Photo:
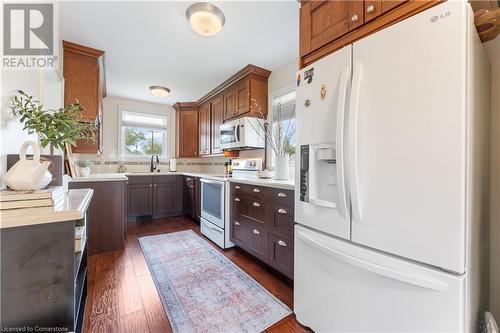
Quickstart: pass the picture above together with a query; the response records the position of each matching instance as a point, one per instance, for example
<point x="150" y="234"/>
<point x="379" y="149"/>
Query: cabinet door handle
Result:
<point x="354" y="18"/>
<point x="236" y="223"/>
<point x="255" y="231"/>
<point x="282" y="195"/>
<point x="237" y="187"/>
<point x="154" y="185"/>
<point x="256" y="190"/>
<point x="281" y="211"/>
<point x="370" y="8"/>
<point x="150" y="185"/>
<point x="281" y="243"/>
<point x="236" y="199"/>
<point x="256" y="204"/>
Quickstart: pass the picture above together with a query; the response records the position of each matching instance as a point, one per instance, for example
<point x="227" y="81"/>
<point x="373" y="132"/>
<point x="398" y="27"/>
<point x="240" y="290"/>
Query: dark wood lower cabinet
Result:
<point x="262" y="221"/>
<point x="107" y="215"/>
<point x="167" y="196"/>
<point x="139" y="198"/>
<point x="189" y="197"/>
<point x="154" y="196"/>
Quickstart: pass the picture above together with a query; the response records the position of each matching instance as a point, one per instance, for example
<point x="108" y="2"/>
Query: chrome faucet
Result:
<point x="152" y="166"/>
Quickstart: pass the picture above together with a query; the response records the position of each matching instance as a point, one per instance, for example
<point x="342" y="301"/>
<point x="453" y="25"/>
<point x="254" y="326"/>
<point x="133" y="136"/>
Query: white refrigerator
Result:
<point x="392" y="180"/>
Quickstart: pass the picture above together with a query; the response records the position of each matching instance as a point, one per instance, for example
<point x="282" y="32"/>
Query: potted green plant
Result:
<point x="84" y="167"/>
<point x="55" y="128"/>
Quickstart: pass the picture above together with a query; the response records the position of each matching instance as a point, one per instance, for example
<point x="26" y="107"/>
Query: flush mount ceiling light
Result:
<point x="205" y="18"/>
<point x="159" y="91"/>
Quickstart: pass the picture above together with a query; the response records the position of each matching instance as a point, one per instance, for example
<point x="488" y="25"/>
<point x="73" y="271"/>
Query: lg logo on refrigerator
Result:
<point x="435" y="18"/>
<point x="28" y="29"/>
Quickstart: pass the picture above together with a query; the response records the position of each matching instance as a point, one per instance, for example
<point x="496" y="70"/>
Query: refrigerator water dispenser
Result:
<point x="318" y="175"/>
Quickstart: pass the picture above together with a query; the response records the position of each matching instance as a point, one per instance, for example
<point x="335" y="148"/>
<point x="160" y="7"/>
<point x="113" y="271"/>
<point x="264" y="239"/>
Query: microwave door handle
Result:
<point x="237" y="134"/>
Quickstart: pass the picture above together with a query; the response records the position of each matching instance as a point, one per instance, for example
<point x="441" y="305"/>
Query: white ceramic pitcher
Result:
<point x="28" y="174"/>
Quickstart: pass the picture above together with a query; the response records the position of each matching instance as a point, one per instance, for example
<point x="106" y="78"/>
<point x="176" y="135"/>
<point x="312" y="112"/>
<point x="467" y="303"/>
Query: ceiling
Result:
<point x="151" y="43"/>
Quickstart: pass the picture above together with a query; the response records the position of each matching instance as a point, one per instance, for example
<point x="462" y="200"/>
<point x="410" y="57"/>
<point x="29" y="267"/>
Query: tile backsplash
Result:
<point x="210" y="165"/>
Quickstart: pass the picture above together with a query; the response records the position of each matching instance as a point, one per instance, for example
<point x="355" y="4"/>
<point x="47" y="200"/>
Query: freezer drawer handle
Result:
<point x="388" y="272"/>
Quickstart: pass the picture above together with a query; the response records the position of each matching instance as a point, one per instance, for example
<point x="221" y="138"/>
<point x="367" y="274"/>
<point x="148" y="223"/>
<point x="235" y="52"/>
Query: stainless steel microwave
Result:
<point x="242" y="133"/>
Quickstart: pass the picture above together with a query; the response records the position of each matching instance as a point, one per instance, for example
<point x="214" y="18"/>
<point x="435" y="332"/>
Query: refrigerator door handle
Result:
<point x="353" y="141"/>
<point x="407" y="277"/>
<point x="341" y="106"/>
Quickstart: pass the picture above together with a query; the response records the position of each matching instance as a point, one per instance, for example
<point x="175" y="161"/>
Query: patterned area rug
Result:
<point x="203" y="291"/>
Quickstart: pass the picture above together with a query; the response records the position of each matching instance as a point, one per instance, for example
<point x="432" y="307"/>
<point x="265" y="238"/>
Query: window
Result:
<point x="283" y="122"/>
<point x="142" y="134"/>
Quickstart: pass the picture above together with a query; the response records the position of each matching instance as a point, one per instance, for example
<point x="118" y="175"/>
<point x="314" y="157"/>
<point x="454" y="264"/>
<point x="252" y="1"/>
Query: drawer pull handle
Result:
<point x="237" y="187"/>
<point x="281" y="243"/>
<point x="256" y="190"/>
<point x="354" y="18"/>
<point x="281" y="211"/>
<point x="256" y="204"/>
<point x="236" y="223"/>
<point x="370" y="8"/>
<point x="255" y="231"/>
<point x="236" y="199"/>
<point x="282" y="195"/>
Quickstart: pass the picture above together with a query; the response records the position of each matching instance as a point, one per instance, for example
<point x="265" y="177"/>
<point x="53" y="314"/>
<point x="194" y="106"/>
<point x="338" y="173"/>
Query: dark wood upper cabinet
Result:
<point x="323" y="21"/>
<point x="84" y="81"/>
<point x="228" y="103"/>
<point x="204" y="129"/>
<point x="326" y="26"/>
<point x="217" y="120"/>
<point x="242" y="95"/>
<point x="186" y="140"/>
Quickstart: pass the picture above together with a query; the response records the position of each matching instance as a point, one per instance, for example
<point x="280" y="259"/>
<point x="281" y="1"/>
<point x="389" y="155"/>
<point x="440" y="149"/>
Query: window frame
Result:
<point x="270" y="158"/>
<point x="122" y="156"/>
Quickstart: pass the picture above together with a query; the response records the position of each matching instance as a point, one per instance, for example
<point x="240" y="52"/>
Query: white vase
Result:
<point x="281" y="170"/>
<point x="84" y="172"/>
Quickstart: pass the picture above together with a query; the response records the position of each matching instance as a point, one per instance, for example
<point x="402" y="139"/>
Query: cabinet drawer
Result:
<point x="281" y="254"/>
<point x="283" y="197"/>
<point x="250" y="191"/>
<point x="166" y="179"/>
<point x="251" y="236"/>
<point x="140" y="179"/>
<point x="253" y="209"/>
<point x="282" y="220"/>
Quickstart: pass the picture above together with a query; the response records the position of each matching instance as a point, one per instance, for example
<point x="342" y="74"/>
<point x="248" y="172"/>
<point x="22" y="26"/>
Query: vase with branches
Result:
<point x="278" y="137"/>
<point x="55" y="128"/>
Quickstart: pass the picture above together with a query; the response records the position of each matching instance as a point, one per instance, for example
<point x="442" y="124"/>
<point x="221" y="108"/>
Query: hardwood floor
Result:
<point x="122" y="296"/>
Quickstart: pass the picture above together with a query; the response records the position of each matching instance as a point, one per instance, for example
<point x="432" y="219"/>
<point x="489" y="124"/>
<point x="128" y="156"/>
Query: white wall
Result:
<point x="111" y="106"/>
<point x="283" y="76"/>
<point x="493" y="50"/>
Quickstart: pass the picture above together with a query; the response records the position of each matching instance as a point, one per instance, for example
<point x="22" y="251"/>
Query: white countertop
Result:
<point x="284" y="184"/>
<point x="101" y="177"/>
<point x="73" y="207"/>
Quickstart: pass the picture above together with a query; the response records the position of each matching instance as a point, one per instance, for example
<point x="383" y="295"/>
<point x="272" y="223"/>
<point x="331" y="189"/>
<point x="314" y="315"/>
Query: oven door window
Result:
<point x="212" y="202"/>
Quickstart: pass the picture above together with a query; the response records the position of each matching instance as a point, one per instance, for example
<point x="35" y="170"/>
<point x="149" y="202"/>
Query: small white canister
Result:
<point x="173" y="165"/>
